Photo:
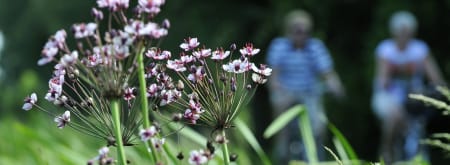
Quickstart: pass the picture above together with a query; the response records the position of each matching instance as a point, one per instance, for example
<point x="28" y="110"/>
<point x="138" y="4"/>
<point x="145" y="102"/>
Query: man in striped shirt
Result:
<point x="300" y="63"/>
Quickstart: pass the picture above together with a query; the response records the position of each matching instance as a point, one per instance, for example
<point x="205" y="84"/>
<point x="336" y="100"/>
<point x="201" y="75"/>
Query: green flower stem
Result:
<point x="115" y="110"/>
<point x="142" y="89"/>
<point x="144" y="101"/>
<point x="226" y="154"/>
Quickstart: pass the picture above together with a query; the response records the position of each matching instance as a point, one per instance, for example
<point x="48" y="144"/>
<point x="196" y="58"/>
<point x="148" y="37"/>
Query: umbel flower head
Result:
<point x="218" y="83"/>
<point x="99" y="75"/>
<point x="101" y="67"/>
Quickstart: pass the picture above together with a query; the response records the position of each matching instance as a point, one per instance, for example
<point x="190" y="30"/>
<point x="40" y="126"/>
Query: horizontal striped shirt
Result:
<point x="299" y="69"/>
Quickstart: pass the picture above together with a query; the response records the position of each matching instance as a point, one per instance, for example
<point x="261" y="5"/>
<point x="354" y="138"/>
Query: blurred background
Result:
<point x="351" y="29"/>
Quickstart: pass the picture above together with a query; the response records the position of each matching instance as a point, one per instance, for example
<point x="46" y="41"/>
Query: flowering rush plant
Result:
<point x="115" y="74"/>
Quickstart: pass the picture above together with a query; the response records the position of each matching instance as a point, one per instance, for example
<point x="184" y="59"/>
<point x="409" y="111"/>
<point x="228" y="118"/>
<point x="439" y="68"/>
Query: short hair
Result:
<point x="298" y="17"/>
<point x="402" y="19"/>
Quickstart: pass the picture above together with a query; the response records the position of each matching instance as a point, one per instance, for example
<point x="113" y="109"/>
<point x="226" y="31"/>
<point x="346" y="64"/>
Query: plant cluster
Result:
<point x="116" y="74"/>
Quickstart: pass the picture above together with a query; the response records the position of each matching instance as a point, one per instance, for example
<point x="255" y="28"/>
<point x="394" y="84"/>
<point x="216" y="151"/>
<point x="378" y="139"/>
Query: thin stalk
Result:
<point x="142" y="89"/>
<point x="144" y="101"/>
<point x="117" y="131"/>
<point x="226" y="154"/>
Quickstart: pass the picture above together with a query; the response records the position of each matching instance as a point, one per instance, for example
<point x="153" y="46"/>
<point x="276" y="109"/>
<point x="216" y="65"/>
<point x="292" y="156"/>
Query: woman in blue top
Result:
<point x="300" y="63"/>
<point x="403" y="63"/>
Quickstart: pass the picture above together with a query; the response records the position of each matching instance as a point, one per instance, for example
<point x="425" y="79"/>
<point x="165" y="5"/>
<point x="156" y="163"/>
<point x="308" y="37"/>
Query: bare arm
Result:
<point x="432" y="72"/>
<point x="382" y="72"/>
<point x="273" y="80"/>
<point x="333" y="82"/>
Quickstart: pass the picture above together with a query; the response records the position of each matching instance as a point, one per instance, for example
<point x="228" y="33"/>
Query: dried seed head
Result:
<point x="180" y="156"/>
<point x="233" y="157"/>
<point x="221" y="139"/>
<point x="180" y="85"/>
<point x="166" y="24"/>
<point x="176" y="117"/>
<point x="210" y="147"/>
<point x="111" y="141"/>
<point x="223" y="78"/>
<point x="233" y="46"/>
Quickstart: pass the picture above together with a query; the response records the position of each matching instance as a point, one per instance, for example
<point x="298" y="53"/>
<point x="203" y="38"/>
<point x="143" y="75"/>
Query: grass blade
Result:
<point x="281" y="121"/>
<point x="248" y="135"/>
<point x="334" y="156"/>
<point x="339" y="136"/>
<point x="308" y="137"/>
<point x="340" y="149"/>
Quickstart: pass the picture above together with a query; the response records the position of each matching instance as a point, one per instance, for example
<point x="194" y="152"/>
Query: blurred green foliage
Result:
<point x="350" y="28"/>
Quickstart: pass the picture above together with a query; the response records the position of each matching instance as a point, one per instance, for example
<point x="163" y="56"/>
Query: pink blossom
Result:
<point x="123" y="39"/>
<point x="157" y="54"/>
<point x="59" y="70"/>
<point x="69" y="59"/>
<point x="151" y="6"/>
<point x="176" y="65"/>
<point x="138" y="28"/>
<point x="237" y="66"/>
<point x="103" y="152"/>
<point x="48" y="52"/>
<point x="129" y="94"/>
<point x="260" y="79"/>
<point x="168" y="96"/>
<point x="262" y="70"/>
<point x="191" y="116"/>
<point x="152" y="90"/>
<point x="198" y="157"/>
<point x="52" y="95"/>
<point x="195" y="106"/>
<point x="97" y="14"/>
<point x="148" y="133"/>
<point x="219" y="54"/>
<point x="203" y="53"/>
<point x="29" y="102"/>
<point x="151" y="70"/>
<point x="62" y="120"/>
<point x="113" y="5"/>
<point x="158" y="143"/>
<point x="55" y="85"/>
<point x="197" y="74"/>
<point x="60" y="38"/>
<point x="83" y="30"/>
<point x="94" y="60"/>
<point x="189" y="44"/>
<point x="187" y="59"/>
<point x="248" y="50"/>
<point x="158" y="33"/>
<point x="121" y="52"/>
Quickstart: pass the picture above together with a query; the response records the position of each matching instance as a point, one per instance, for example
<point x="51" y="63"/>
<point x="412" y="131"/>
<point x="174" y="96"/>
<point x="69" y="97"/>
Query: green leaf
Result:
<point x="340" y="149"/>
<point x="248" y="135"/>
<point x="340" y="137"/>
<point x="334" y="155"/>
<point x="281" y="121"/>
<point x="189" y="133"/>
<point x="308" y="137"/>
<point x="194" y="136"/>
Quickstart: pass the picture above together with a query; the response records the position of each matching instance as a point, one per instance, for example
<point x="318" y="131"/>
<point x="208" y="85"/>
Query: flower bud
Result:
<point x="180" y="85"/>
<point x="166" y="24"/>
<point x="97" y="14"/>
<point x="233" y="157"/>
<point x="233" y="46"/>
<point x="180" y="156"/>
<point x="177" y="117"/>
<point x="210" y="147"/>
<point x="221" y="139"/>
